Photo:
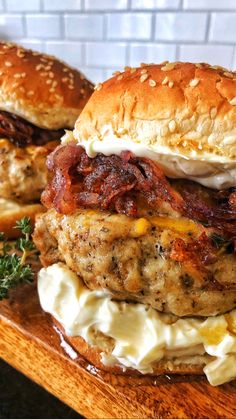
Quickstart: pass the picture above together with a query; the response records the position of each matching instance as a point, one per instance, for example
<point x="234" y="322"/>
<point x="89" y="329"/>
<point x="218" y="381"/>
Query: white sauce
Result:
<point x="213" y="171"/>
<point x="141" y="335"/>
<point x="216" y="174"/>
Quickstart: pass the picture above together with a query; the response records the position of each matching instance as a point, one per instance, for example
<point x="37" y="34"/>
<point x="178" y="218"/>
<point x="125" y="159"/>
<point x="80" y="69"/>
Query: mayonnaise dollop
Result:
<point x="213" y="171"/>
<point x="140" y="335"/>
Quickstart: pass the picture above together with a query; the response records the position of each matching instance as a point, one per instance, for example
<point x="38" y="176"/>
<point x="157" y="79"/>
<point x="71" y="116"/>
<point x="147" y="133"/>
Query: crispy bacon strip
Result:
<point x="199" y="252"/>
<point x="59" y="192"/>
<point x="114" y="182"/>
<point x="22" y="133"/>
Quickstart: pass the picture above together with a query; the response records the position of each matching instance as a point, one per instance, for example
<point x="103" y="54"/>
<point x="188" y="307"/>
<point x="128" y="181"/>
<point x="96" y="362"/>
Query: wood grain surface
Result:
<point x="30" y="344"/>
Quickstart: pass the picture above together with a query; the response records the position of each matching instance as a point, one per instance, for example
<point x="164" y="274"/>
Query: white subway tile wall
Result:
<point x="85" y="26"/>
<point x="23" y="6"/>
<point x="129" y="26"/>
<point x="101" y="36"/>
<point x="181" y="27"/>
<point x="60" y="5"/>
<point x="43" y="26"/>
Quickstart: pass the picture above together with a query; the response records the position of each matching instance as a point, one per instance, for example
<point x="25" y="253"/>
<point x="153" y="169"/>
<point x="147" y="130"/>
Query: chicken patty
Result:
<point x="23" y="172"/>
<point x="168" y="263"/>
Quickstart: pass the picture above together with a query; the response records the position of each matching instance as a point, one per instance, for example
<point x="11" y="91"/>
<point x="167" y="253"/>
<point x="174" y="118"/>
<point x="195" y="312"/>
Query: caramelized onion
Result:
<point x="22" y="133"/>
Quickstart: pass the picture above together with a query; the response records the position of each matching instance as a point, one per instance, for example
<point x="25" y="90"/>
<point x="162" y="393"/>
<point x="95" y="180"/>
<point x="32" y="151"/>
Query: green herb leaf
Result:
<point x="13" y="267"/>
<point x="24" y="225"/>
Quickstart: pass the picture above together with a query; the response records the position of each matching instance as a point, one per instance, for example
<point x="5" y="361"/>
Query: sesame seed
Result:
<point x="168" y="67"/>
<point x="8" y="45"/>
<point x="143" y="71"/>
<point x="152" y="83"/>
<point x="47" y="68"/>
<point x="198" y="65"/>
<point x="20" y="53"/>
<point x="233" y="101"/>
<point x="51" y="74"/>
<point x="227" y="74"/>
<point x="143" y="77"/>
<point x="72" y="87"/>
<point x="194" y="82"/>
<point x="44" y="74"/>
<point x="219" y="67"/>
<point x="82" y="91"/>
<point x="171" y="84"/>
<point x="8" y="64"/>
<point x="71" y="75"/>
<point x="30" y="93"/>
<point x="54" y="83"/>
<point x="52" y="90"/>
<point x="17" y="75"/>
<point x="98" y="86"/>
<point x="132" y="70"/>
<point x="22" y="89"/>
<point x="39" y="67"/>
<point x="64" y="79"/>
<point x="59" y="97"/>
<point x="165" y="81"/>
<point x="65" y="69"/>
<point x="120" y="77"/>
<point x="48" y="81"/>
<point x="213" y="113"/>
<point x="1" y="73"/>
<point x="116" y="73"/>
<point x="172" y="126"/>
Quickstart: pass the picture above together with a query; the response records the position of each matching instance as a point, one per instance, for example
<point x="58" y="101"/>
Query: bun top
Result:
<point x="40" y="88"/>
<point x="189" y="109"/>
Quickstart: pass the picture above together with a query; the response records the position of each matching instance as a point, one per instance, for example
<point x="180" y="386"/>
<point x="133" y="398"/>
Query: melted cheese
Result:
<point x="181" y="225"/>
<point x="141" y="336"/>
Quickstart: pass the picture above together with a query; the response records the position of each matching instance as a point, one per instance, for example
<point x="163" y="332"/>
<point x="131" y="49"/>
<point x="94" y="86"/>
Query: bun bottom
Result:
<point x="10" y="212"/>
<point x="92" y="354"/>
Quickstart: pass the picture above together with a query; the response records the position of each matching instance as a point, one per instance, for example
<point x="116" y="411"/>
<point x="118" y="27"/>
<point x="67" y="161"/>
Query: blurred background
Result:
<point x="100" y="36"/>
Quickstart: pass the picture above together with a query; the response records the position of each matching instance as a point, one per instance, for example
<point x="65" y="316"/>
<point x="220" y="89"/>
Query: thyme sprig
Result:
<point x="13" y="267"/>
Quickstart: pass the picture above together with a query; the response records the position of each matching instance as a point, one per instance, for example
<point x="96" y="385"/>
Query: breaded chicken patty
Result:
<point x="174" y="264"/>
<point x="23" y="172"/>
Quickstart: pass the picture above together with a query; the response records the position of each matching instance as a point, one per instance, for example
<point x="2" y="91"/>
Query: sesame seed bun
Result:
<point x="40" y="88"/>
<point x="188" y="108"/>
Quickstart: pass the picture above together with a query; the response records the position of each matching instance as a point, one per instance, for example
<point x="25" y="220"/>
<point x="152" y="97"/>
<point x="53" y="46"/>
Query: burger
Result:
<point x="138" y="241"/>
<point x="39" y="97"/>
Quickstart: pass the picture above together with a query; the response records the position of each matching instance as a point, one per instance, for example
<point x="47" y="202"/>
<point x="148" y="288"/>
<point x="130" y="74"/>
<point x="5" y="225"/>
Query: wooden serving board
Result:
<point x="30" y="344"/>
